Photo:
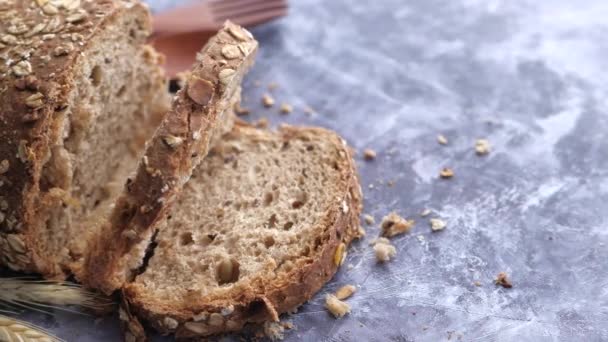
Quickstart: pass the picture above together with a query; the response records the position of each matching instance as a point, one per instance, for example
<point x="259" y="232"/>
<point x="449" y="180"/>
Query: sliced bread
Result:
<point x="199" y="112"/>
<point x="263" y="223"/>
<point x="80" y="93"/>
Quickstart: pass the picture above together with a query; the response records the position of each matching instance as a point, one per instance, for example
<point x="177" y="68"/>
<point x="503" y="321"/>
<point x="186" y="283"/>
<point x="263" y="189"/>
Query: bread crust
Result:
<point x="265" y="299"/>
<point x="44" y="44"/>
<point x="182" y="140"/>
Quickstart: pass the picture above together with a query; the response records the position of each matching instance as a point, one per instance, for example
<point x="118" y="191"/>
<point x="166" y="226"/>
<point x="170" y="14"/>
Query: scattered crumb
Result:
<point x="390" y="183"/>
<point x="503" y="280"/>
<point x="240" y="110"/>
<point x="437" y="224"/>
<point x="393" y="224"/>
<point x="477" y="283"/>
<point x="369" y="154"/>
<point x="446" y="173"/>
<point x="420" y="238"/>
<point x="369" y="219"/>
<point x="267" y="101"/>
<point x="384" y="250"/>
<point x="442" y="139"/>
<point x="425" y="212"/>
<point x="272" y="86"/>
<point x="262" y="123"/>
<point x="350" y="266"/>
<point x="337" y="307"/>
<point x="361" y="232"/>
<point x="274" y="331"/>
<point x="286" y="108"/>
<point x="371" y="186"/>
<point x="287" y="325"/>
<point x="345" y="292"/>
<point x="482" y="147"/>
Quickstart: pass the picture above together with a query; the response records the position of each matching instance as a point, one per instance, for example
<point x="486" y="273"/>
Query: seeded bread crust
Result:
<point x="183" y="139"/>
<point x="265" y="299"/>
<point x="40" y="43"/>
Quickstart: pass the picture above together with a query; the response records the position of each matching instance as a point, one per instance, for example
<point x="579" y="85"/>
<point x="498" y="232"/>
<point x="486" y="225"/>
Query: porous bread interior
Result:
<point x="254" y="205"/>
<point x="118" y="99"/>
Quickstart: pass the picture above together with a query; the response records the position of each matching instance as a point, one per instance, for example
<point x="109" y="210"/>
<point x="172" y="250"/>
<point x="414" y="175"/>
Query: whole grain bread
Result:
<point x="261" y="226"/>
<point x="80" y="92"/>
<point x="199" y="112"/>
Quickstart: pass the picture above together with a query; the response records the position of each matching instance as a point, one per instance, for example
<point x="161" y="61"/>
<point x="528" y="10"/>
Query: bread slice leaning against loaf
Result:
<point x="80" y="93"/>
<point x="261" y="226"/>
<point x="199" y="112"/>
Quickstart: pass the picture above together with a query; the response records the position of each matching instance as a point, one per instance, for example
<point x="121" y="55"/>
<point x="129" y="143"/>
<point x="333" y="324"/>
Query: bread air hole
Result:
<point x="96" y="76"/>
<point x="269" y="241"/>
<point x="186" y="239"/>
<point x="227" y="271"/>
<point x="288" y="225"/>
<point x="272" y="221"/>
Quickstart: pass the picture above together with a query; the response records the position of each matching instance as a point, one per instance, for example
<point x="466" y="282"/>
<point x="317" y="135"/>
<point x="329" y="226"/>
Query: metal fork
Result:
<point x="209" y="16"/>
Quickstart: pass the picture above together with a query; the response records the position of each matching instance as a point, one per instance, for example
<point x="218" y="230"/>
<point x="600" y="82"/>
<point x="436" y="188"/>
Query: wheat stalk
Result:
<point x="14" y="330"/>
<point x="36" y="294"/>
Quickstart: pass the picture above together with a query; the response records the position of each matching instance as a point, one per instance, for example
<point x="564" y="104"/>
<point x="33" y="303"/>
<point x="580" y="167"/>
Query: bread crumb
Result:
<point x="482" y="147"/>
<point x="425" y="212"/>
<point x="446" y="173"/>
<point x="437" y="224"/>
<point x="335" y="306"/>
<point x="420" y="238"/>
<point x="286" y="108"/>
<point x="272" y="86"/>
<point x="369" y="219"/>
<point x="371" y="186"/>
<point x="477" y="283"/>
<point x="262" y="123"/>
<point x="274" y="331"/>
<point x="390" y="183"/>
<point x="369" y="154"/>
<point x="384" y="250"/>
<point x="503" y="280"/>
<point x="442" y="139"/>
<point x="345" y="292"/>
<point x="393" y="224"/>
<point x="267" y="101"/>
<point x="340" y="254"/>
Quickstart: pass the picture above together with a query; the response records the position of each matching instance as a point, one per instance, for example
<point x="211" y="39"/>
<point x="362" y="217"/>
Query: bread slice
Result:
<point x="261" y="226"/>
<point x="199" y="112"/>
<point x="79" y="95"/>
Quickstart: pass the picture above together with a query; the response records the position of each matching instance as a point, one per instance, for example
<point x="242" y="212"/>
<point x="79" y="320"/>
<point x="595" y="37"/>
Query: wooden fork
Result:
<point x="209" y="16"/>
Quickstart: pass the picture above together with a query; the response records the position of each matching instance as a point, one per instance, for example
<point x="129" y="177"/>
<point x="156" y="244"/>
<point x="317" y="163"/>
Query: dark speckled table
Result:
<point x="529" y="76"/>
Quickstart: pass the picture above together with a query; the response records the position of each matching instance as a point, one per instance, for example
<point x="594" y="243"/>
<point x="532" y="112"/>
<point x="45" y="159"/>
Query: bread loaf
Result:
<point x="80" y="93"/>
<point x="261" y="226"/>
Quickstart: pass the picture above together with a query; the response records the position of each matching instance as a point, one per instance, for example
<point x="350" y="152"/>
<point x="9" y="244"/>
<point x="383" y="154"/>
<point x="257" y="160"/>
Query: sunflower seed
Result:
<point x="9" y="39"/>
<point x="226" y="76"/>
<point x="230" y="52"/>
<point x="35" y="100"/>
<point x="173" y="141"/>
<point x="22" y="68"/>
<point x="16" y="244"/>
<point x="49" y="9"/>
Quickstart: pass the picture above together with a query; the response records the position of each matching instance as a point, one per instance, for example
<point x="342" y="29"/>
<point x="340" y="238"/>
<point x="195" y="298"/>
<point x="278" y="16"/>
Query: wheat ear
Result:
<point x="36" y="294"/>
<point x="14" y="330"/>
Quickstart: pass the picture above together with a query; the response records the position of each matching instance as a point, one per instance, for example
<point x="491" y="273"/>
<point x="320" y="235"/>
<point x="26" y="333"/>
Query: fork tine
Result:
<point x="222" y="5"/>
<point x="244" y="11"/>
<point x="250" y="19"/>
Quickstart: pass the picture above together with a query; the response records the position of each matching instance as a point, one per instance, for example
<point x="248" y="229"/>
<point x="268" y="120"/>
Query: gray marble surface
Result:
<point x="529" y="76"/>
